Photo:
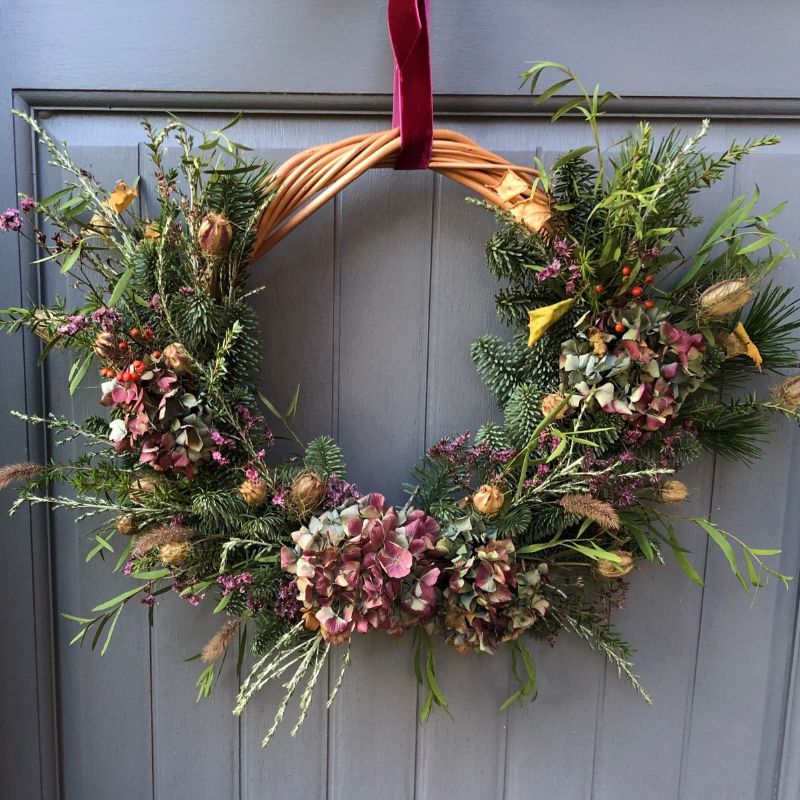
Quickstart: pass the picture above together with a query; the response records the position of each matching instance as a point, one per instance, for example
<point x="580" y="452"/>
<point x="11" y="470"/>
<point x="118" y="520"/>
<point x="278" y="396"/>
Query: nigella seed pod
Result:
<point x="252" y="493"/>
<point x="176" y="358"/>
<point x="307" y="492"/>
<point x="673" y="492"/>
<point x="488" y="500"/>
<point x="612" y="570"/>
<point x="126" y="525"/>
<point x="724" y="298"/>
<point x="105" y="345"/>
<point x="174" y="553"/>
<point x="215" y="234"/>
<point x="787" y="393"/>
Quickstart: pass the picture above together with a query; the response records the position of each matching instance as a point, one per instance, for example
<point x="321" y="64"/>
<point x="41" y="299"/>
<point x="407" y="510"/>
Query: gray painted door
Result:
<point x="371" y="307"/>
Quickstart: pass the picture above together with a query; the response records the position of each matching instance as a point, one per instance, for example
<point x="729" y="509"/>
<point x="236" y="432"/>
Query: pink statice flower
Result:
<point x="10" y="220"/>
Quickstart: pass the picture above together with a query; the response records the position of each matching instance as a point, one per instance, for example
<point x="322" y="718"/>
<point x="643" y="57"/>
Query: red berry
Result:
<point x="649" y="278"/>
<point x="156" y="354"/>
<point x="626" y="271"/>
<point x="148" y="334"/>
<point x="599" y="288"/>
<point x="123" y="345"/>
<point x="649" y="303"/>
<point x="138" y="366"/>
<point x="135" y="331"/>
<point x="619" y="328"/>
<point x="637" y="291"/>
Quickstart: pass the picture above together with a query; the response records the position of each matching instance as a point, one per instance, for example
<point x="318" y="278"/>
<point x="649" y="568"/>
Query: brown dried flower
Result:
<point x="177" y="358"/>
<point x="14" y="473"/>
<point x="787" y="393"/>
<point x="126" y="525"/>
<point x="216" y="646"/>
<point x="253" y="494"/>
<point x="162" y="535"/>
<point x="215" y="234"/>
<point x="105" y="345"/>
<point x="174" y="553"/>
<point x="550" y="402"/>
<point x="587" y="507"/>
<point x="307" y="492"/>
<point x="673" y="492"/>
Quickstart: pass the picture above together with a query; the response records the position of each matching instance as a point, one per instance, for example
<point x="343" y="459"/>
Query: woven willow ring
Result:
<point x="312" y="177"/>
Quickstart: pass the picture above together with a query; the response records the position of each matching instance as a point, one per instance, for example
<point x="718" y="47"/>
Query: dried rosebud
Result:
<point x="550" y="402"/>
<point x="488" y="500"/>
<point x="174" y="553"/>
<point x="105" y="345"/>
<point x="615" y="569"/>
<point x="176" y="358"/>
<point x="127" y="525"/>
<point x="673" y="492"/>
<point x="215" y="234"/>
<point x="787" y="393"/>
<point x="252" y="493"/>
<point x="307" y="492"/>
<point x="724" y="298"/>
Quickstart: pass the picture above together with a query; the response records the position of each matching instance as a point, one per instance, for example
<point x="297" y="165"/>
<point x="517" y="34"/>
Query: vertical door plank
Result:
<point x="296" y="313"/>
<point x="744" y="653"/>
<point x="475" y="685"/>
<point x="383" y="241"/>
<point x="101" y="701"/>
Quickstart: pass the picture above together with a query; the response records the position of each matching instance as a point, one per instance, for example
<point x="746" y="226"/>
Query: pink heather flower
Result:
<point x="252" y="473"/>
<point x="27" y="204"/>
<point x="549" y="271"/>
<point x="128" y="568"/>
<point x="148" y="600"/>
<point x="155" y="303"/>
<point x="74" y="324"/>
<point x="279" y="499"/>
<point x="220" y="459"/>
<point x="220" y="439"/>
<point x="10" y="220"/>
<point x="231" y="583"/>
<point x="106" y="318"/>
<point x="186" y="291"/>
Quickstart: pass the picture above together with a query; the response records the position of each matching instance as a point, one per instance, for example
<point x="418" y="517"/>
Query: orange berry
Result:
<point x="649" y="303"/>
<point x="637" y="291"/>
<point x="135" y="331"/>
<point x="619" y="328"/>
<point x="598" y="288"/>
<point x="649" y="278"/>
<point x="626" y="271"/>
<point x="123" y="345"/>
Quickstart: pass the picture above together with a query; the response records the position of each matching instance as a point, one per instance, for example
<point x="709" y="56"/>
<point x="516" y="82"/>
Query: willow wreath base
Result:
<point x="609" y="384"/>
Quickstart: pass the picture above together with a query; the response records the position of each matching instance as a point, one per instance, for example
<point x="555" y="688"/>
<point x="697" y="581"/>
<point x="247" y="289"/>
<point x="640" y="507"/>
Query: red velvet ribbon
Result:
<point x="413" y="97"/>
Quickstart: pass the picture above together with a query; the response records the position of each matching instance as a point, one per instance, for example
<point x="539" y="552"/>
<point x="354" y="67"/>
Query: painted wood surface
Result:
<point x="371" y="306"/>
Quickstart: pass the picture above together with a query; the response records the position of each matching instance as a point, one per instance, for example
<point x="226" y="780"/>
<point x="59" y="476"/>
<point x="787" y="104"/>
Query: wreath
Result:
<point x="618" y="372"/>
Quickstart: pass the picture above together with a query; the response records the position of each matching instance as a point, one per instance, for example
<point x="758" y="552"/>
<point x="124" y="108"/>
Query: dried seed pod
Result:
<point x="724" y="298"/>
<point x="176" y="358"/>
<point x="215" y="234"/>
<point x="550" y="402"/>
<point x="488" y="500"/>
<point x="254" y="494"/>
<point x="105" y="345"/>
<point x="126" y="525"/>
<point x="174" y="553"/>
<point x="307" y="492"/>
<point x="787" y="393"/>
<point x="673" y="492"/>
<point x="615" y="569"/>
<point x="142" y="487"/>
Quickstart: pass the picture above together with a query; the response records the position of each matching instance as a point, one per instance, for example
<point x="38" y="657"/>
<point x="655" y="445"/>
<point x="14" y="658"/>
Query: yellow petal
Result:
<point x="534" y="213"/>
<point x="511" y="186"/>
<point x="738" y="343"/>
<point x="151" y="231"/>
<point x="121" y="197"/>
<point x="540" y="319"/>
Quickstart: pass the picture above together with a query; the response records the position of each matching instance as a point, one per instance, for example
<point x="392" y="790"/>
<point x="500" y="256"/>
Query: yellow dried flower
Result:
<point x="122" y="196"/>
<point x="511" y="186"/>
<point x="488" y="500"/>
<point x="724" y="298"/>
<point x="534" y="214"/>
<point x="540" y="319"/>
<point x="615" y="569"/>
